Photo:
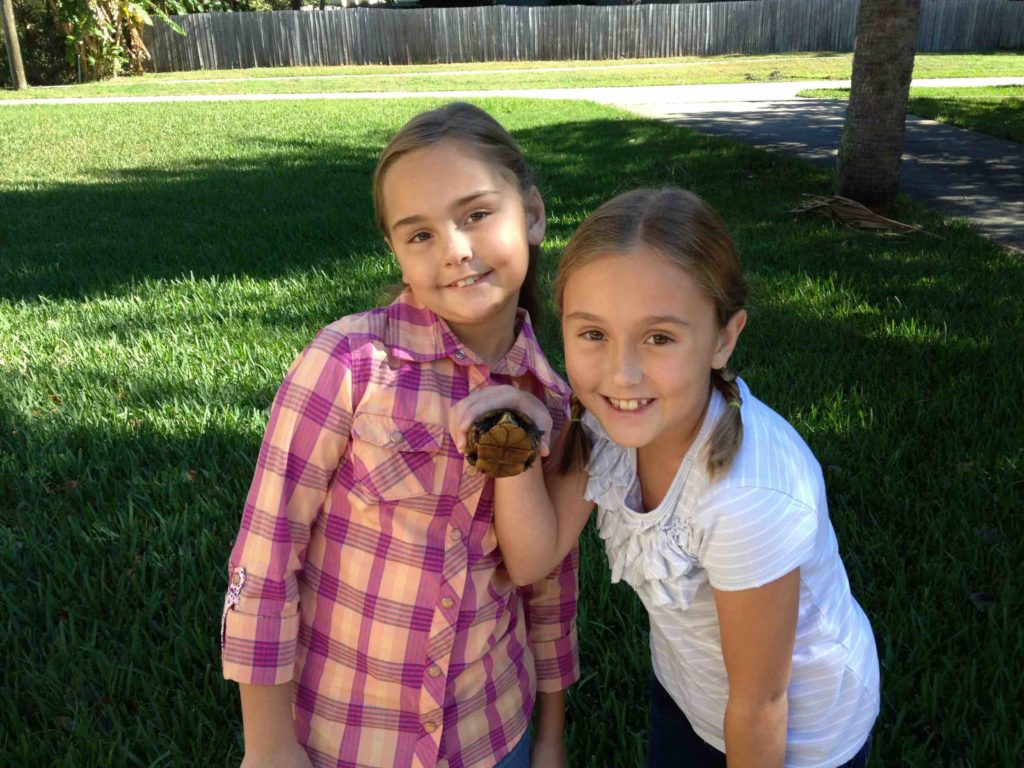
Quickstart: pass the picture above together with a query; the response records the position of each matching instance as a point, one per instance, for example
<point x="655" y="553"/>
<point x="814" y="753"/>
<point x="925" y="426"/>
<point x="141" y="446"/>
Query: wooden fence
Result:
<point x="506" y="33"/>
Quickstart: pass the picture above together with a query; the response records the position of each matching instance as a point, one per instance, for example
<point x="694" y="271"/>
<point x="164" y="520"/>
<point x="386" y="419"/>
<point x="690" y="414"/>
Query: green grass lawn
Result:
<point x="504" y="74"/>
<point x="161" y="265"/>
<point x="996" y="111"/>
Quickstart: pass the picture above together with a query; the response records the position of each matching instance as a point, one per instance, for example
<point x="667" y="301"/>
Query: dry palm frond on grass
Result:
<point x="843" y="210"/>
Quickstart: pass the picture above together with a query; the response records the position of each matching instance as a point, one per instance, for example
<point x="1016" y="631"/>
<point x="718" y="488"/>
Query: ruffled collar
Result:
<point x="654" y="552"/>
<point x="614" y="466"/>
<point x="610" y="465"/>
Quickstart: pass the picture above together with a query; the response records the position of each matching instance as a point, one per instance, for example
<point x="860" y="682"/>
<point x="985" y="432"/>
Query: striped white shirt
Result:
<point x="765" y="517"/>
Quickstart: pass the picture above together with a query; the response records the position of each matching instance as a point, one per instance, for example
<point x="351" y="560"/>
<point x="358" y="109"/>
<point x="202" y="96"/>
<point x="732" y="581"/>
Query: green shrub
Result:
<point x="106" y="36"/>
<point x="42" y="46"/>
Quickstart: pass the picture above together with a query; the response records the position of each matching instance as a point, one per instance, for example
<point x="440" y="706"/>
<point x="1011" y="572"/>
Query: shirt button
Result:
<point x="471" y="470"/>
<point x="456" y="534"/>
<point x="447" y="602"/>
<point x="460" y="354"/>
<point x="430" y="727"/>
<point x="434" y="671"/>
<point x="396" y="437"/>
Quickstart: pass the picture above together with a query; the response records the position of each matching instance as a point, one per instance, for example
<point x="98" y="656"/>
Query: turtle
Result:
<point x="503" y="443"/>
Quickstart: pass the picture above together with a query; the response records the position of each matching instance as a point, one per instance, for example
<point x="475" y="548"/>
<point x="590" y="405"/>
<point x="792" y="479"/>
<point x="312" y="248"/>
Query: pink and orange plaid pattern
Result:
<point x="366" y="569"/>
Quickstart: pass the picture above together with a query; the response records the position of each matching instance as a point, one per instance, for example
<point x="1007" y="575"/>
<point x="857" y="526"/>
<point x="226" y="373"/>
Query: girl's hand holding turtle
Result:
<point x="536" y="526"/>
<point x="487" y="400"/>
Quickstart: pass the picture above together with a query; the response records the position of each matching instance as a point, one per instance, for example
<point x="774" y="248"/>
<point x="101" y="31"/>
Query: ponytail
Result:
<point x="725" y="440"/>
<point x="576" y="453"/>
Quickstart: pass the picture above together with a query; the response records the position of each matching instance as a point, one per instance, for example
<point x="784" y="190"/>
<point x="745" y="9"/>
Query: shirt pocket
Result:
<point x="395" y="458"/>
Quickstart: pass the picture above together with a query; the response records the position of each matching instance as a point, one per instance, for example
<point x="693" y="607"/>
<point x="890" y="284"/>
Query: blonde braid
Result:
<point x="725" y="440"/>
<point x="576" y="455"/>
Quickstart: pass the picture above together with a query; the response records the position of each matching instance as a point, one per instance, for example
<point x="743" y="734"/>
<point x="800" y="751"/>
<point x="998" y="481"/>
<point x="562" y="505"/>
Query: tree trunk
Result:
<point x="883" y="60"/>
<point x="13" y="48"/>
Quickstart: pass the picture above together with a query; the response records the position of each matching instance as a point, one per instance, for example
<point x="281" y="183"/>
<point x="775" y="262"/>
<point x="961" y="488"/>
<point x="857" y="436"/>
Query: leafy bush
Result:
<point x="42" y="46"/>
<point x="102" y="37"/>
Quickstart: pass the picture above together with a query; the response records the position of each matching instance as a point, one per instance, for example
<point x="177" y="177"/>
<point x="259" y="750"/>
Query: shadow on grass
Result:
<point x="899" y="360"/>
<point x="306" y="204"/>
<point x="299" y="212"/>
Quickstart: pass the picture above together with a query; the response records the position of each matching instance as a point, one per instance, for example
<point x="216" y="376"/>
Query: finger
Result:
<point x="459" y="436"/>
<point x="545" y="444"/>
<point x="462" y="414"/>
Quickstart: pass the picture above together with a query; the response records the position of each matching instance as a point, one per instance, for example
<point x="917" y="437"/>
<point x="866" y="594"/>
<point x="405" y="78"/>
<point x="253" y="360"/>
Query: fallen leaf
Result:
<point x="986" y="534"/>
<point x="843" y="210"/>
<point x="982" y="600"/>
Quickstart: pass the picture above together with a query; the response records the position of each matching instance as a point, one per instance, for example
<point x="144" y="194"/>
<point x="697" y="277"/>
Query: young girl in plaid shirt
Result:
<point x="370" y="619"/>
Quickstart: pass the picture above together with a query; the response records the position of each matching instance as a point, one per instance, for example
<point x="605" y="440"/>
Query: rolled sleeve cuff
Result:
<point x="259" y="650"/>
<point x="557" y="662"/>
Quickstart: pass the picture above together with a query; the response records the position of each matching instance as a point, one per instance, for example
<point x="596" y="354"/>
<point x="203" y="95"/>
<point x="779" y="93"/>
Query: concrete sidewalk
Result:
<point x="962" y="173"/>
<point x="624" y="96"/>
<point x="959" y="172"/>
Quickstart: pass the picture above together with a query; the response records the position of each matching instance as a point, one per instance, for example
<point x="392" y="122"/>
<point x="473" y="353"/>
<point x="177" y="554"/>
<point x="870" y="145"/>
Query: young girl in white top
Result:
<point x="711" y="506"/>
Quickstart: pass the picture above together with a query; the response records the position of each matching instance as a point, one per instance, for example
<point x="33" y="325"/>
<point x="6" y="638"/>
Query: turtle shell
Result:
<point x="503" y="443"/>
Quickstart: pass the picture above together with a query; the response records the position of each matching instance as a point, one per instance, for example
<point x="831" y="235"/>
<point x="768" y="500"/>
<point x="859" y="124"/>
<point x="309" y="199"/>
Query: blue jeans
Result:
<point x="674" y="744"/>
<point x="519" y="757"/>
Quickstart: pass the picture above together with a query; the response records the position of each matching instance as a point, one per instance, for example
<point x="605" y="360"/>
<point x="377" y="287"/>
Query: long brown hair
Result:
<point x="686" y="231"/>
<point x="481" y="134"/>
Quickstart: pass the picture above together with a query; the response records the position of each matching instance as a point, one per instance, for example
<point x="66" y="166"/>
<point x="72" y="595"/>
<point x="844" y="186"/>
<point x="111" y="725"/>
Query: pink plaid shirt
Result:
<point x="366" y="570"/>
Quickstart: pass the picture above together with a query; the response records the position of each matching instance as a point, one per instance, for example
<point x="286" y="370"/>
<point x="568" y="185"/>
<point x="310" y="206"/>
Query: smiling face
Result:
<point x="461" y="231"/>
<point x="641" y="339"/>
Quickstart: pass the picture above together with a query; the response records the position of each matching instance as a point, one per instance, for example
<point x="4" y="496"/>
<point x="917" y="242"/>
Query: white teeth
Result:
<point x="628" y="405"/>
<point x="467" y="281"/>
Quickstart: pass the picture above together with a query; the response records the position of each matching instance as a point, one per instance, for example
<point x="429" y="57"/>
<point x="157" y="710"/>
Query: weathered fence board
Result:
<point x="573" y="32"/>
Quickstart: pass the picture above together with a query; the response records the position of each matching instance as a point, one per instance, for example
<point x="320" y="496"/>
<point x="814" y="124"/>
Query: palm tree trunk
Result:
<point x="13" y="48"/>
<point x="883" y="61"/>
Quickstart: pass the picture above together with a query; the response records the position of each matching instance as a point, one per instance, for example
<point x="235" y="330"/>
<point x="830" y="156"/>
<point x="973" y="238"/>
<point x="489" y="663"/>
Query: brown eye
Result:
<point x="660" y="339"/>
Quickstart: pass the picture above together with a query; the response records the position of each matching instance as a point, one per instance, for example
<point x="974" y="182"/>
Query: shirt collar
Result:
<point x="526" y="356"/>
<point x="415" y="333"/>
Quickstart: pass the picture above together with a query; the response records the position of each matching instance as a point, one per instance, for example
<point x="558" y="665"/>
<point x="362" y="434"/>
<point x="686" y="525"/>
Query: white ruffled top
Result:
<point x="765" y="516"/>
<point x="654" y="552"/>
